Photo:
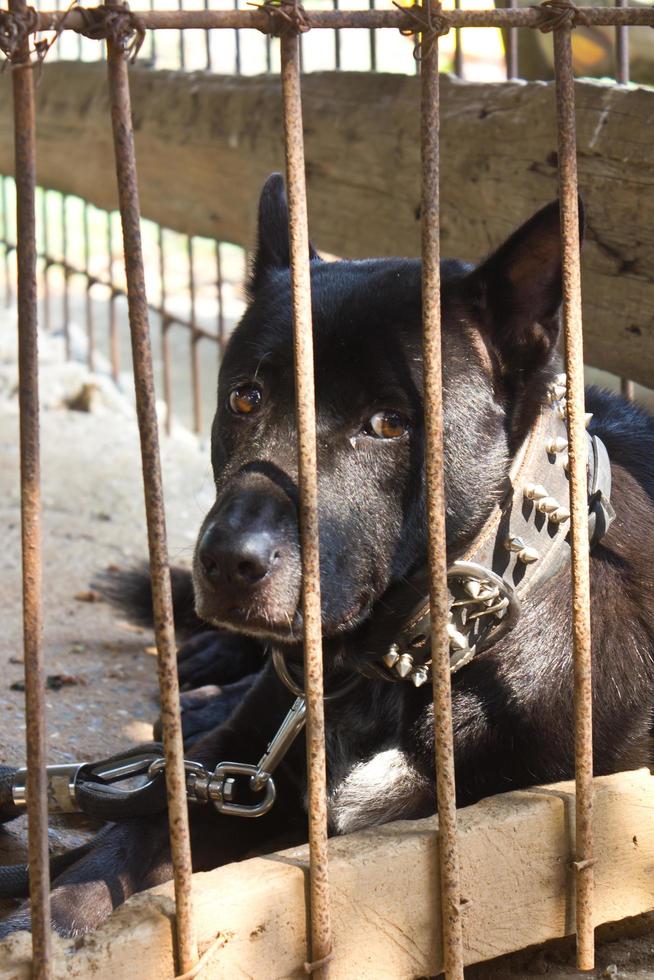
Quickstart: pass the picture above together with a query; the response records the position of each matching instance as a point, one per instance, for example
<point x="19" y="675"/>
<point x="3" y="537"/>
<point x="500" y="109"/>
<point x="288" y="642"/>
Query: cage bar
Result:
<point x="438" y="591"/>
<point x="512" y="70"/>
<point x="355" y="19"/>
<point x="577" y="450"/>
<point x="114" y="339"/>
<point x="320" y="916"/>
<point x="90" y="325"/>
<point x="194" y="340"/>
<point x="30" y="496"/>
<point x="121" y="118"/>
<point x="65" y="308"/>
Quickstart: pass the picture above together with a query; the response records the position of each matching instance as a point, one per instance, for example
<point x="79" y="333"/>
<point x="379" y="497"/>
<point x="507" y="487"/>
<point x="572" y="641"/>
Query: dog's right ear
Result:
<point x="273" y="249"/>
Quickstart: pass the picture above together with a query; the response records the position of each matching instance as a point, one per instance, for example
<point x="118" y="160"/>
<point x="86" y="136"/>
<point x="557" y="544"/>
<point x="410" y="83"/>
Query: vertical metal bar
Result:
<point x="114" y="339"/>
<point x="622" y="76"/>
<point x="66" y="293"/>
<point x="622" y="49"/>
<point x="337" y="41"/>
<point x="458" y="48"/>
<point x="237" y="46"/>
<point x="153" y="41"/>
<point x="121" y="118"/>
<point x="5" y="226"/>
<point x="165" y="327"/>
<point x="46" y="260"/>
<point x="90" y="331"/>
<point x="512" y="47"/>
<point x="308" y="500"/>
<point x="207" y="43"/>
<point x="574" y="357"/>
<point x="433" y="397"/>
<point x="28" y="388"/>
<point x="194" y="341"/>
<point x="372" y="41"/>
<point x="181" y="51"/>
<point x="221" y="309"/>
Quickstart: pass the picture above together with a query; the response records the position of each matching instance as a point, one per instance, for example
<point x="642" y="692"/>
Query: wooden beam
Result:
<point x="205" y="143"/>
<point x="515" y="873"/>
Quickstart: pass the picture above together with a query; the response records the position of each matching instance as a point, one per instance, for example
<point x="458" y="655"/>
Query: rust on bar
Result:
<point x="458" y="48"/>
<point x="512" y="47"/>
<point x="165" y="327"/>
<point x="621" y="49"/>
<point x="121" y="118"/>
<point x="114" y="339"/>
<point x="90" y="326"/>
<point x="194" y="339"/>
<point x="321" y="941"/>
<point x="46" y="262"/>
<point x="574" y="359"/>
<point x="355" y="19"/>
<point x="65" y="310"/>
<point x="439" y="605"/>
<point x="30" y="495"/>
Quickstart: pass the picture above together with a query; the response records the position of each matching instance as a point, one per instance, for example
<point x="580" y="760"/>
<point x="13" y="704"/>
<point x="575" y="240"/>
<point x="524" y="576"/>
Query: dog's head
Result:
<point x="500" y="328"/>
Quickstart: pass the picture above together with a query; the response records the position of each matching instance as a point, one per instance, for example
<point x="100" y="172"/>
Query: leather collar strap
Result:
<point x="524" y="542"/>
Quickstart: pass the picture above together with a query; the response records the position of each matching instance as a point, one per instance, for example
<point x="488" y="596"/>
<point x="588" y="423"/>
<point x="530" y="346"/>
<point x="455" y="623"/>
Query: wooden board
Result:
<point x="515" y="853"/>
<point x="205" y="143"/>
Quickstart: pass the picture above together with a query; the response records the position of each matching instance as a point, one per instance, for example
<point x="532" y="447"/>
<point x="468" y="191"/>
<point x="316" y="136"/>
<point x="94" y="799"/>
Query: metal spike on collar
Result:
<point x="557" y="445"/>
<point x="535" y="491"/>
<point x="419" y="676"/>
<point x="588" y="417"/>
<point x="560" y="516"/>
<point x="392" y="657"/>
<point x="548" y="505"/>
<point x="525" y="554"/>
<point x="404" y="665"/>
<point x="457" y="639"/>
<point x="473" y="587"/>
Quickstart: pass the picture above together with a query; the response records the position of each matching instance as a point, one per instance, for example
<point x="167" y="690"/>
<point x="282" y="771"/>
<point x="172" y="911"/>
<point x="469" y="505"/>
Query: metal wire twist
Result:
<point x="116" y="24"/>
<point x="428" y="23"/>
<point x="557" y="14"/>
<point x="284" y="17"/>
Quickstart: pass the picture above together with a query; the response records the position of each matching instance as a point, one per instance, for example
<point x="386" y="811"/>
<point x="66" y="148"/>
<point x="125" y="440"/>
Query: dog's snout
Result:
<point x="243" y="559"/>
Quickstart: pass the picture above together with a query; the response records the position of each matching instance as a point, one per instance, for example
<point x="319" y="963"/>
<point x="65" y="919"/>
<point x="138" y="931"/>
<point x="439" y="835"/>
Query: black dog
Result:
<point x="512" y="702"/>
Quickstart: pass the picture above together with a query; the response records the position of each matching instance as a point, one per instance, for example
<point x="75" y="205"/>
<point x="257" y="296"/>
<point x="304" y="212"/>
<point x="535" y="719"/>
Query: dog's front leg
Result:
<point x="126" y="858"/>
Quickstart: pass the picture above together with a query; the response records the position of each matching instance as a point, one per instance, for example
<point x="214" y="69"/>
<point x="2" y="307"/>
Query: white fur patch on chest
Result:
<point x="385" y="787"/>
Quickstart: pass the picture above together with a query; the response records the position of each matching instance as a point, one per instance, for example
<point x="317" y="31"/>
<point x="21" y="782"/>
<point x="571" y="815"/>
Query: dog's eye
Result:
<point x="387" y="425"/>
<point x="245" y="399"/>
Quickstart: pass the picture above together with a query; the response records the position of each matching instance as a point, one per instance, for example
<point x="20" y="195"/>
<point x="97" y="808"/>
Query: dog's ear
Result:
<point x="273" y="249"/>
<point x="518" y="292"/>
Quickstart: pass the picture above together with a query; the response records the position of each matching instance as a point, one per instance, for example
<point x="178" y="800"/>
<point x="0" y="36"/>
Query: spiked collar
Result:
<point x="524" y="542"/>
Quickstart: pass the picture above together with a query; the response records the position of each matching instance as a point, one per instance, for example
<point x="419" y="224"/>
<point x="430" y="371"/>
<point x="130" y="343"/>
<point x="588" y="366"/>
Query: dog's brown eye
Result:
<point x="387" y="425"/>
<point x="245" y="399"/>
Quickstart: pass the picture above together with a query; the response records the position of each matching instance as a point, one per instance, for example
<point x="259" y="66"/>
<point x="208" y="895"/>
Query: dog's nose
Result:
<point x="242" y="559"/>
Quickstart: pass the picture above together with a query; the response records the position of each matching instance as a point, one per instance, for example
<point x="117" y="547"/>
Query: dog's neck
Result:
<point x="523" y="543"/>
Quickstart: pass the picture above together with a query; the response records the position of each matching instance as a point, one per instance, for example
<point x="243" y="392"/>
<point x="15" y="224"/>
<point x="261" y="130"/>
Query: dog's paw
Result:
<point x="208" y="707"/>
<point x="217" y="657"/>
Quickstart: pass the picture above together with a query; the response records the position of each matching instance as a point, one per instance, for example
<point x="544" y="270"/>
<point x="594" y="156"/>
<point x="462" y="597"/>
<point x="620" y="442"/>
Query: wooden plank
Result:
<point x="205" y="143"/>
<point x="515" y="872"/>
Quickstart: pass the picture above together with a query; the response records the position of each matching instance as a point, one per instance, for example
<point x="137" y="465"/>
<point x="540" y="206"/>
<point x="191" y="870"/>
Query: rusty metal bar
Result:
<point x="438" y="593"/>
<point x="372" y="41"/>
<point x="90" y="326"/>
<point x="165" y="327"/>
<point x="337" y="41"/>
<point x="114" y="338"/>
<point x="194" y="341"/>
<point x="321" y="941"/>
<point x="622" y="49"/>
<point x="512" y="70"/>
<point x="30" y="498"/>
<point x="622" y="76"/>
<point x="574" y="359"/>
<point x="222" y="339"/>
<point x="121" y="118"/>
<point x="458" y="48"/>
<point x="65" y="309"/>
<point x="8" y="247"/>
<point x="46" y="260"/>
<point x="355" y="19"/>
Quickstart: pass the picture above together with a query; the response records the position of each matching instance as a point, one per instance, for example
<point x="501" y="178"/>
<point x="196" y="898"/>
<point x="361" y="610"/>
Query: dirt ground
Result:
<point x="103" y="694"/>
